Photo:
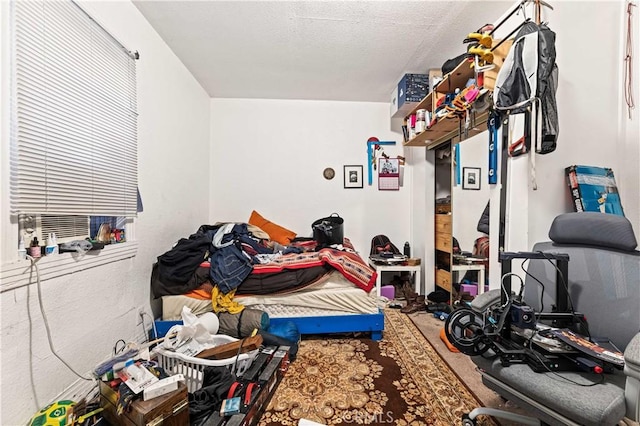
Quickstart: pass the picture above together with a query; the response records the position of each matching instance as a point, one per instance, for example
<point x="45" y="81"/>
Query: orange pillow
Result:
<point x="276" y="232"/>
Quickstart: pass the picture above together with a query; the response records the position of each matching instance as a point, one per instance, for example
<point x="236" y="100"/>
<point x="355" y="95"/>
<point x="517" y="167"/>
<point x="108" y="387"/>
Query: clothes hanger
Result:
<point x="520" y="7"/>
<point x="538" y="8"/>
<point x="511" y="33"/>
<point x="538" y="5"/>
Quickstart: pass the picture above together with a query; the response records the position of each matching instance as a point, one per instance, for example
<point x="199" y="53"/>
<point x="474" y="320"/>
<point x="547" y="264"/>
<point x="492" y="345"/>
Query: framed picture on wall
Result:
<point x="471" y="178"/>
<point x="353" y="176"/>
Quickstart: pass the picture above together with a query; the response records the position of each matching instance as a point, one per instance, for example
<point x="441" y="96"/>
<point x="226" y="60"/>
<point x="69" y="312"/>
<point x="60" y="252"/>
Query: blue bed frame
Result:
<point x="373" y="323"/>
<point x="364" y="323"/>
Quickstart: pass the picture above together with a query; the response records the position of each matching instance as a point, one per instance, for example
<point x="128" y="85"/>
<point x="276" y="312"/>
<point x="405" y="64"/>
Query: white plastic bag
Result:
<point x="191" y="337"/>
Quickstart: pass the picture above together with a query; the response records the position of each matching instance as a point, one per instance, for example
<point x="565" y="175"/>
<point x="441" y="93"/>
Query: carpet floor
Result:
<point x="400" y="379"/>
<point x="462" y="366"/>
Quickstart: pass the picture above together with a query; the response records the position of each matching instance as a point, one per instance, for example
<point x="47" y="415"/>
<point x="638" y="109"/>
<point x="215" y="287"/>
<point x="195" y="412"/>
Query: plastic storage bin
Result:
<point x="193" y="368"/>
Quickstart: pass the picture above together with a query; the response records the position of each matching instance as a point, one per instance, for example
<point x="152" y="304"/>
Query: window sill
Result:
<point x="16" y="274"/>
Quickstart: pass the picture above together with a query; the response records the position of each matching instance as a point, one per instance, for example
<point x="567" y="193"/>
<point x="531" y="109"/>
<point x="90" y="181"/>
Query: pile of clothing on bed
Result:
<point x="225" y="260"/>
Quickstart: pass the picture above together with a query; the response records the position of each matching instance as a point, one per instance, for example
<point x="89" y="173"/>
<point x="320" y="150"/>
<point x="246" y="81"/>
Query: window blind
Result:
<point x="66" y="228"/>
<point x="74" y="114"/>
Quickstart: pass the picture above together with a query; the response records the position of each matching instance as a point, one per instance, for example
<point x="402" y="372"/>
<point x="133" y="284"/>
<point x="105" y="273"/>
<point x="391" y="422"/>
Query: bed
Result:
<point x="324" y="291"/>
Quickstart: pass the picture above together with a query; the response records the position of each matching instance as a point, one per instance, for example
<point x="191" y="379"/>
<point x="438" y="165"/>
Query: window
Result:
<point x="66" y="228"/>
<point x="73" y="131"/>
<point x="73" y="119"/>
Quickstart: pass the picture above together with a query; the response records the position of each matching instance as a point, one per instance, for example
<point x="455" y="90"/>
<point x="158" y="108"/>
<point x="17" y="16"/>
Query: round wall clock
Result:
<point x="328" y="173"/>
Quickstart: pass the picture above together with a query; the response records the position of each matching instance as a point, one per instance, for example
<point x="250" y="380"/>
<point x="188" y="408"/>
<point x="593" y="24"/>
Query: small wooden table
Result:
<point x="380" y="268"/>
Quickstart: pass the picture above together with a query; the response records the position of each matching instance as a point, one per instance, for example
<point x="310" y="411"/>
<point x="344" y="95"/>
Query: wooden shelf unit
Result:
<point x="444" y="250"/>
<point x="446" y="129"/>
<point x="443" y="218"/>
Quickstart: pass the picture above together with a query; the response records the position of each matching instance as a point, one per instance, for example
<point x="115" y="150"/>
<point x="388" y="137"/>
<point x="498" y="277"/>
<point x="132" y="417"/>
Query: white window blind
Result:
<point x="74" y="114"/>
<point x="66" y="228"/>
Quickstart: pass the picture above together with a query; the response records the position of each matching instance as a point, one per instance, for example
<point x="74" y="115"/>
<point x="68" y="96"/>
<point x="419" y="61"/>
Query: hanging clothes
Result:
<point x="527" y="83"/>
<point x="547" y="88"/>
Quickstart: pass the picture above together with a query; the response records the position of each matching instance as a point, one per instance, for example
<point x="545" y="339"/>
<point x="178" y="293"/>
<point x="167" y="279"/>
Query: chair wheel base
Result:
<point x="468" y="421"/>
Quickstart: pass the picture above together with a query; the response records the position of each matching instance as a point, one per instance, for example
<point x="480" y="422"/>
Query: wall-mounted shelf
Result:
<point x="446" y="129"/>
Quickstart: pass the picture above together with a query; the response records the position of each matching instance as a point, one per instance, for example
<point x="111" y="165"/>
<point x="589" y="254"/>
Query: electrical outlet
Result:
<point x="140" y="319"/>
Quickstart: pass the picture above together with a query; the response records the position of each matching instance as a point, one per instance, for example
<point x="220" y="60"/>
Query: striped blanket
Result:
<point x="349" y="264"/>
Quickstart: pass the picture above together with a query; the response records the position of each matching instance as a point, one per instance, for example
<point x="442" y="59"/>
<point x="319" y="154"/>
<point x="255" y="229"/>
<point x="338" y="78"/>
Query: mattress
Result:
<point x="331" y="295"/>
<point x="285" y="311"/>
<point x="336" y="295"/>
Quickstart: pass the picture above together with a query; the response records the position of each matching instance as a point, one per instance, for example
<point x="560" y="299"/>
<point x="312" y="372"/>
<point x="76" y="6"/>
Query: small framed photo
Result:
<point x="353" y="176"/>
<point x="471" y="178"/>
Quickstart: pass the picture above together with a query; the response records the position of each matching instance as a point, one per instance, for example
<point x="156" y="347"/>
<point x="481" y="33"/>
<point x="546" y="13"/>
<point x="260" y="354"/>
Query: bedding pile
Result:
<point x="214" y="267"/>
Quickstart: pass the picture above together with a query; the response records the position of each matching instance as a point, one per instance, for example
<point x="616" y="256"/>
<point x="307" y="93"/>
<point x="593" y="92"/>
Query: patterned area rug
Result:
<point x="399" y="380"/>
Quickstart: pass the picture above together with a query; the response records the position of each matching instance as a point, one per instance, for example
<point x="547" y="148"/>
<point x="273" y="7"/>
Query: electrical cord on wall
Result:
<point x="34" y="266"/>
<point x="628" y="61"/>
<point x="153" y="326"/>
<point x="31" y="378"/>
<point x="144" y="330"/>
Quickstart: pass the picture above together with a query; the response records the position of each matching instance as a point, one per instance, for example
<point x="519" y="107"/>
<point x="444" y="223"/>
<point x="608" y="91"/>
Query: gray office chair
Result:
<point x="604" y="285"/>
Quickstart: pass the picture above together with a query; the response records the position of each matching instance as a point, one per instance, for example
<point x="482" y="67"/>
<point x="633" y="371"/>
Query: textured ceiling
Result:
<point x="322" y="50"/>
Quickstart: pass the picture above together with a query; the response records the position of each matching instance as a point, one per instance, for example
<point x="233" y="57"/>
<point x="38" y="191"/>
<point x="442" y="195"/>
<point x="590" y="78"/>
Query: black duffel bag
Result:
<point x="328" y="230"/>
<point x="451" y="64"/>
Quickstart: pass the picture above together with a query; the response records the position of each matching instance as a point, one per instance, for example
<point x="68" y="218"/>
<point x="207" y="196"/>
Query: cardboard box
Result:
<point x="411" y="89"/>
<point x="593" y="189"/>
<point x="435" y="77"/>
<point x="171" y="409"/>
<point x="413" y="261"/>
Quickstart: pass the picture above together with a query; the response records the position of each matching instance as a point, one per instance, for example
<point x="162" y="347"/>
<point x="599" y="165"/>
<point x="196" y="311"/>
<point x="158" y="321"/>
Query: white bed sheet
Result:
<point x="333" y="295"/>
<point x="336" y="294"/>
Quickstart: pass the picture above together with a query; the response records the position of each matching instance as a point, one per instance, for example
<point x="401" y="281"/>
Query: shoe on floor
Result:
<point x="438" y="307"/>
<point x="416" y="305"/>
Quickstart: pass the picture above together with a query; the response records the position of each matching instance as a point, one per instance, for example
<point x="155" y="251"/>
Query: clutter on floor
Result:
<point x="191" y="375"/>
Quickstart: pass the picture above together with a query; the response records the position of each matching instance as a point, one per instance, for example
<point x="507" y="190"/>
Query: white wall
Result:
<point x="90" y="310"/>
<point x="422" y="201"/>
<point x="594" y="128"/>
<point x="269" y="155"/>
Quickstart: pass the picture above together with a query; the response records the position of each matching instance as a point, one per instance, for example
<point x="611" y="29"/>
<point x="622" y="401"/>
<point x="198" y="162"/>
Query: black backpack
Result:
<point x="451" y="64"/>
<point x="381" y="243"/>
